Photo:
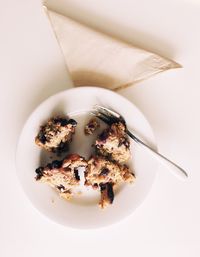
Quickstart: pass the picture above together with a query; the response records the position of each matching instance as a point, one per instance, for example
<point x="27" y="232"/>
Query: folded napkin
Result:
<point x="96" y="59"/>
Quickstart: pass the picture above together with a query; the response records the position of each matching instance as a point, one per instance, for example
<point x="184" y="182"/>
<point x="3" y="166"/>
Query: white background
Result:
<point x="32" y="68"/>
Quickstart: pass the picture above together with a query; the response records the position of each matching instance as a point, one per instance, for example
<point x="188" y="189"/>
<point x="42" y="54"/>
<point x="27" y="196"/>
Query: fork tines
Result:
<point x="107" y="115"/>
<point x="102" y="117"/>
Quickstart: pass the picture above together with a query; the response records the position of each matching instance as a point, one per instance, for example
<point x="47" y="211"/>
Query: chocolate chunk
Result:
<point x="49" y="166"/>
<point x="92" y="126"/>
<point x="95" y="186"/>
<point x="127" y="143"/>
<point x="102" y="186"/>
<point x="104" y="172"/>
<point x="61" y="188"/>
<point x="73" y="122"/>
<point x="109" y="190"/>
<point x="103" y="136"/>
<point x="42" y="137"/>
<point x="39" y="172"/>
<point x="62" y="147"/>
<point x="57" y="120"/>
<point x="56" y="164"/>
<point x="62" y="121"/>
<point x="77" y="177"/>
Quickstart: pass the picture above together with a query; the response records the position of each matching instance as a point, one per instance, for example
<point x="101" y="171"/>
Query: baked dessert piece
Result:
<point x="91" y="126"/>
<point x="62" y="175"/>
<point x="104" y="175"/>
<point x="113" y="142"/>
<point x="55" y="135"/>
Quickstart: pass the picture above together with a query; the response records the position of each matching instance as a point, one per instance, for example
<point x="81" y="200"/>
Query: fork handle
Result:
<point x="174" y="168"/>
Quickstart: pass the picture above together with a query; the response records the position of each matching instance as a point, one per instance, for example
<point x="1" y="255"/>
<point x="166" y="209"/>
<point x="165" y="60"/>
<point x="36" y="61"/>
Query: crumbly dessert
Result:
<point x="113" y="142"/>
<point x="104" y="171"/>
<point x="91" y="126"/>
<point x="104" y="175"/>
<point x="62" y="175"/>
<point x="55" y="135"/>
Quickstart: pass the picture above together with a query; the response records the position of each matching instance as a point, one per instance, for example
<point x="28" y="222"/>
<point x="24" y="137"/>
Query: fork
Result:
<point x="109" y="116"/>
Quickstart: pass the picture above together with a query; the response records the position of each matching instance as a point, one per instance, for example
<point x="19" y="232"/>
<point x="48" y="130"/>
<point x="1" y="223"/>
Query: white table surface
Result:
<point x="168" y="222"/>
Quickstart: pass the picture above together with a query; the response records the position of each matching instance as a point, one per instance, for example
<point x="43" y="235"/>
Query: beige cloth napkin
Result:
<point x="96" y="59"/>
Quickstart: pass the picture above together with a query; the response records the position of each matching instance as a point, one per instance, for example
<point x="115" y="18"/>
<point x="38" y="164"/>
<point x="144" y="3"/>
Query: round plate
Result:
<point x="83" y="211"/>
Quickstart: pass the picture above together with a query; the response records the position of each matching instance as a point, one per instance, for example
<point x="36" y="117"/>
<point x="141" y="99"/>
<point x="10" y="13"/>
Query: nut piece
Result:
<point x="62" y="175"/>
<point x="113" y="142"/>
<point x="55" y="135"/>
<point x="91" y="126"/>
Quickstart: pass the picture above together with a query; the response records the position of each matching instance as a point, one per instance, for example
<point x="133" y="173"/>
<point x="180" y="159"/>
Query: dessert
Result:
<point x="62" y="175"/>
<point x="104" y="174"/>
<point x="104" y="171"/>
<point x="55" y="135"/>
<point x="91" y="126"/>
<point x="113" y="143"/>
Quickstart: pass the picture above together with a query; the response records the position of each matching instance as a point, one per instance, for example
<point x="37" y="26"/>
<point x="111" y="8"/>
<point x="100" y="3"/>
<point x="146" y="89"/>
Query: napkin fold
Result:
<point x="96" y="59"/>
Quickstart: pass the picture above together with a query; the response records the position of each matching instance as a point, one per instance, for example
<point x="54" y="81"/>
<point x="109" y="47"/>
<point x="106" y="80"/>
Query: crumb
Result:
<point x="91" y="126"/>
<point x="55" y="135"/>
<point x="113" y="143"/>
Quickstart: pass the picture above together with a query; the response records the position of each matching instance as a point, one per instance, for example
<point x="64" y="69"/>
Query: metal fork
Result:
<point x="110" y="116"/>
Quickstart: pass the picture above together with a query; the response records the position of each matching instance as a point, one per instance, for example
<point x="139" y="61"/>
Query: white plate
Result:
<point x="83" y="211"/>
